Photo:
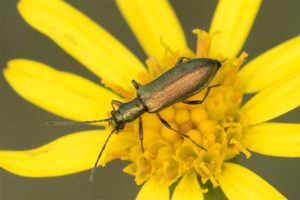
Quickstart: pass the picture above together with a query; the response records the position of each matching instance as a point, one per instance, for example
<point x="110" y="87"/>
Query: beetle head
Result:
<point x="116" y="121"/>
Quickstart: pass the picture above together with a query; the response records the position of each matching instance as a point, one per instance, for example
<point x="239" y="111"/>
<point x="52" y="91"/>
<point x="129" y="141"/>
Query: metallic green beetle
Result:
<point x="179" y="83"/>
<point x="182" y="81"/>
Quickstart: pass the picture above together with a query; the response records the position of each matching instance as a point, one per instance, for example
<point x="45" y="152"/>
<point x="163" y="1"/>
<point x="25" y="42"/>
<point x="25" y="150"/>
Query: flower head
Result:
<point x="223" y="125"/>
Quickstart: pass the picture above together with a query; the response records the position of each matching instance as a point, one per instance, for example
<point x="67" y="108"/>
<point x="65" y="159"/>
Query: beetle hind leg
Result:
<point x="166" y="124"/>
<point x="195" y="102"/>
<point x="181" y="59"/>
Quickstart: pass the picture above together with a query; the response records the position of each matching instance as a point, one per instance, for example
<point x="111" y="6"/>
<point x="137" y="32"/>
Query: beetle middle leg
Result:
<point x="166" y="124"/>
<point x="141" y="134"/>
<point x="194" y="102"/>
<point x="141" y="137"/>
<point x="135" y="84"/>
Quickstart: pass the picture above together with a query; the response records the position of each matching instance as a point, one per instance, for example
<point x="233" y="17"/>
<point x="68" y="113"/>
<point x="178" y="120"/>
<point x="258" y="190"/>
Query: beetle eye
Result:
<point x="219" y="64"/>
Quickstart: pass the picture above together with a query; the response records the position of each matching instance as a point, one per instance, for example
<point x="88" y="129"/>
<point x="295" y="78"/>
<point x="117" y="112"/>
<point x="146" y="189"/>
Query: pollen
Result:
<point x="213" y="128"/>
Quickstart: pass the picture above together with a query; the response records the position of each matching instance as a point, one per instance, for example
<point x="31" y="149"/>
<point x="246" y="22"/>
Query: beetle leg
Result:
<point x="141" y="134"/>
<point x="180" y="60"/>
<point x="166" y="124"/>
<point x="115" y="103"/>
<point x="193" y="102"/>
<point x="135" y="84"/>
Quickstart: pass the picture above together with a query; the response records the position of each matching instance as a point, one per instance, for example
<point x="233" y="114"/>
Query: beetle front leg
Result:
<point x="166" y="124"/>
<point x="194" y="102"/>
<point x="115" y="103"/>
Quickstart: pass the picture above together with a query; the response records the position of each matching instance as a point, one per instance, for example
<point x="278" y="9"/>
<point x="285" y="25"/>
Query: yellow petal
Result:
<point x="69" y="154"/>
<point x="82" y="38"/>
<point x="58" y="92"/>
<point x="272" y="66"/>
<point x="154" y="23"/>
<point x="239" y="183"/>
<point x="230" y="26"/>
<point x="274" y="101"/>
<point x="188" y="188"/>
<point x="152" y="189"/>
<point x="274" y="139"/>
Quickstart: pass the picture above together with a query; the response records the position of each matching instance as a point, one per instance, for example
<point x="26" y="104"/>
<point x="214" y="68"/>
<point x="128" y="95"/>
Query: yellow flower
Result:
<point x="224" y="126"/>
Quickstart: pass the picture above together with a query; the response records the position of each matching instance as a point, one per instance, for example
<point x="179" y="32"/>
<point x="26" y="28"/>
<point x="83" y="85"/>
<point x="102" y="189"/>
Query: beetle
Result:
<point x="177" y="84"/>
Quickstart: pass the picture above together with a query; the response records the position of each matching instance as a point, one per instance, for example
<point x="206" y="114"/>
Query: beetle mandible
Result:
<point x="177" y="84"/>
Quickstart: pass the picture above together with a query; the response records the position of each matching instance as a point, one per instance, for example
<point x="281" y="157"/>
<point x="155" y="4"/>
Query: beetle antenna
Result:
<point x="77" y="123"/>
<point x="99" y="156"/>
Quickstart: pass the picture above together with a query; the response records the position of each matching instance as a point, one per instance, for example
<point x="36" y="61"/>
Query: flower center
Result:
<point x="216" y="125"/>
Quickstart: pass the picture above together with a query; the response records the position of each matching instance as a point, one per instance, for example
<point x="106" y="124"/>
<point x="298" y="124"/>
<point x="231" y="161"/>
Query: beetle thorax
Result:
<point x="127" y="112"/>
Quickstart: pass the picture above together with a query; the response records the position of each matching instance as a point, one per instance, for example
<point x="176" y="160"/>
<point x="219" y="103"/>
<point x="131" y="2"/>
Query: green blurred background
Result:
<point x="21" y="122"/>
